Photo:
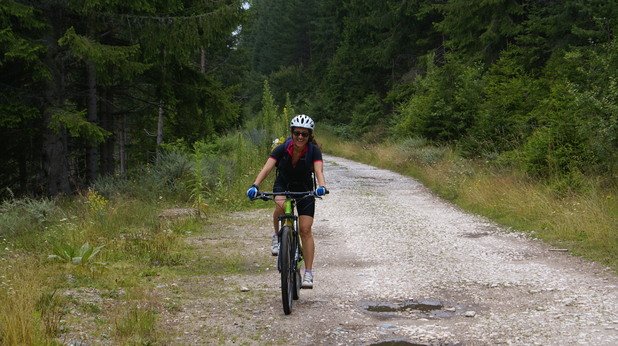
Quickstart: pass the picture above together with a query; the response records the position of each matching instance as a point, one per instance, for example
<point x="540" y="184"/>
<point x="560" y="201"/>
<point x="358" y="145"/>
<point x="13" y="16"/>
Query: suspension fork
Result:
<point x="298" y="253"/>
<point x="291" y="220"/>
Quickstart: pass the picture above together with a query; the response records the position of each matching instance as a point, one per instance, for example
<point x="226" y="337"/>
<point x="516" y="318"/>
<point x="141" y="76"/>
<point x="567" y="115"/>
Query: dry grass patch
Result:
<point x="25" y="317"/>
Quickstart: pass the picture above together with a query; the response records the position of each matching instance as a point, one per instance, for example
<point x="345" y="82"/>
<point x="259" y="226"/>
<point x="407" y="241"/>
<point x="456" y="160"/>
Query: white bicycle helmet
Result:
<point x="303" y="121"/>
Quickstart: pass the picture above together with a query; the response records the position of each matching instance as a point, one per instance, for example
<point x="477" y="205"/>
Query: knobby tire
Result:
<point x="298" y="280"/>
<point x="287" y="271"/>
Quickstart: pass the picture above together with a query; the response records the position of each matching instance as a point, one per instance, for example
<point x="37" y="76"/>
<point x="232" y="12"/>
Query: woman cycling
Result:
<point x="296" y="161"/>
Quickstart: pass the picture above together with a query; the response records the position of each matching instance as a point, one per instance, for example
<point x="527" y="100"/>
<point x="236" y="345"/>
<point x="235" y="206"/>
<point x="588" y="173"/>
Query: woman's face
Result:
<point x="300" y="136"/>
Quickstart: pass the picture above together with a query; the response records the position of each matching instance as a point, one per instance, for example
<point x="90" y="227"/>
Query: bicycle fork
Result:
<point x="297" y="258"/>
<point x="291" y="221"/>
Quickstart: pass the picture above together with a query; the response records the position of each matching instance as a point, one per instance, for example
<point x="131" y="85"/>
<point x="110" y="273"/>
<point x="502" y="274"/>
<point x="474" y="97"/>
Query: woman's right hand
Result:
<point x="252" y="192"/>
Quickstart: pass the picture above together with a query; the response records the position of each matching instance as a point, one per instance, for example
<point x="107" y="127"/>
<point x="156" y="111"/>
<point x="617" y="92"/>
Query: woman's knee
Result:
<point x="278" y="210"/>
<point x="306" y="232"/>
<point x="305" y="224"/>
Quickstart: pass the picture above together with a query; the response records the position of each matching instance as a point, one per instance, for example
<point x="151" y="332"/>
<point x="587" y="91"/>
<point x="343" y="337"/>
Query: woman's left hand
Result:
<point x="321" y="191"/>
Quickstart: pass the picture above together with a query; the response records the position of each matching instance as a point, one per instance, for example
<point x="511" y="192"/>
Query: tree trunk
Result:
<point x="160" y="129"/>
<point x="203" y="70"/>
<point x="55" y="142"/>
<point x="22" y="163"/>
<point x="55" y="163"/>
<point x="92" y="152"/>
<point x="108" y="165"/>
<point x="122" y="140"/>
<point x="440" y="52"/>
<point x="162" y="92"/>
<point x="203" y="60"/>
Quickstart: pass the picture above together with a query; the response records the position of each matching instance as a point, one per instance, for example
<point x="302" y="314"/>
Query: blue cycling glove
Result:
<point x="320" y="191"/>
<point x="252" y="192"/>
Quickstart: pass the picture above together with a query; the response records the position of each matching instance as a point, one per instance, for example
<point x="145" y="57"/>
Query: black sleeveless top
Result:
<point x="299" y="177"/>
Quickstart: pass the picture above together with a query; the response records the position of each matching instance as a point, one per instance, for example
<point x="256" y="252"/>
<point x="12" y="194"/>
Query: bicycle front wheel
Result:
<point x="298" y="280"/>
<point x="287" y="270"/>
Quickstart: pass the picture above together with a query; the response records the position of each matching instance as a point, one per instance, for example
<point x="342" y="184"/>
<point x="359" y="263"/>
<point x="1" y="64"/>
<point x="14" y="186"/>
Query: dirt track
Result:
<point x="395" y="263"/>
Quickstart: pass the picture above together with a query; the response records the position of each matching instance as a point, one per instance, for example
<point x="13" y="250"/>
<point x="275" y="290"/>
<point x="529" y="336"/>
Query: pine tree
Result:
<point x="23" y="78"/>
<point x="269" y="113"/>
<point x="481" y="29"/>
<point x="99" y="63"/>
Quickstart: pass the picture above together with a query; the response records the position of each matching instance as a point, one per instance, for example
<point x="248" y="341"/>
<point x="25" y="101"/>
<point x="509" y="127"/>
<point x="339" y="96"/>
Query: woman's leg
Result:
<point x="274" y="243"/>
<point x="278" y="211"/>
<point x="305" y="223"/>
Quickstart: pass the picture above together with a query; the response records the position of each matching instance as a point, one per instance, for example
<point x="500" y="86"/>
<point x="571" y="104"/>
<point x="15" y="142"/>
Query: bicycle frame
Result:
<point x="291" y="220"/>
<point x="288" y="219"/>
<point x="290" y="264"/>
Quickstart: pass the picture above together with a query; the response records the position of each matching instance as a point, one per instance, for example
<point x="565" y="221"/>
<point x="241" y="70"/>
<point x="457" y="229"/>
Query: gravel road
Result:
<point x="396" y="264"/>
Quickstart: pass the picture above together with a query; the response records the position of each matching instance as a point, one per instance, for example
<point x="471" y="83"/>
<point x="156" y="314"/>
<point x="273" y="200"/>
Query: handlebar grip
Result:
<point x="261" y="196"/>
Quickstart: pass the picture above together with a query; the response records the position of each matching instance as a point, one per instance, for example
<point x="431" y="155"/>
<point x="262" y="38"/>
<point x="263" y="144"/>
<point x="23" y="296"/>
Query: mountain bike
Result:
<point x="290" y="258"/>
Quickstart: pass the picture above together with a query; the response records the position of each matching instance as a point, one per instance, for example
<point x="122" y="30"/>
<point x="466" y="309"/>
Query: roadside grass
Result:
<point x="136" y="326"/>
<point x="83" y="265"/>
<point x="137" y="250"/>
<point x="21" y="323"/>
<point x="584" y="221"/>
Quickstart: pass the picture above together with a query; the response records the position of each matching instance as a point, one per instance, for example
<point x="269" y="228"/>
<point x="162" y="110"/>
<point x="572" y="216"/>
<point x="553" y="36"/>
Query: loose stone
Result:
<point x="470" y="313"/>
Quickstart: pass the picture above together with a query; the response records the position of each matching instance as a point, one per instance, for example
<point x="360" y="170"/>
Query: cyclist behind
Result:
<point x="296" y="161"/>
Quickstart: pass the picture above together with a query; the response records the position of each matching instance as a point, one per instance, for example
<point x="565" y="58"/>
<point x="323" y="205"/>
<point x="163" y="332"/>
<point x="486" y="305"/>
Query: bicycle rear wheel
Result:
<point x="287" y="271"/>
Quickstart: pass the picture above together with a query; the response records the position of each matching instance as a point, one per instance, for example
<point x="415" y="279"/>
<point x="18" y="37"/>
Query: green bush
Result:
<point x="445" y="103"/>
<point x="568" y="184"/>
<point x="22" y="216"/>
<point x="171" y="168"/>
<point x="367" y="113"/>
<point x="581" y="110"/>
<point x="417" y="150"/>
<point x="111" y="185"/>
<point x="287" y="80"/>
<point x="164" y="178"/>
<point x="535" y="153"/>
<point x="343" y="131"/>
<point x="503" y="121"/>
<point x="207" y="172"/>
<point x="559" y="145"/>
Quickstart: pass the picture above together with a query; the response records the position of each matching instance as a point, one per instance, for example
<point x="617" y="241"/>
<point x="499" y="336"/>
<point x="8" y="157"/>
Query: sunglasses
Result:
<point x="301" y="133"/>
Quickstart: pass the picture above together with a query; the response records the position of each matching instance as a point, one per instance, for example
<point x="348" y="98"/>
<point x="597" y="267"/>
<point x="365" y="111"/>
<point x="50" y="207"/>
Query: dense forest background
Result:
<point x="94" y="88"/>
<point x="129" y="129"/>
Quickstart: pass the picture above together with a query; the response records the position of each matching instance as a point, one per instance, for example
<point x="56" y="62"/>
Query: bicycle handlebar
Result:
<point x="266" y="196"/>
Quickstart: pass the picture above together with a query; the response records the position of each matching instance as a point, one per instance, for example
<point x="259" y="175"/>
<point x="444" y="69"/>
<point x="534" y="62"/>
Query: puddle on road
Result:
<point x="408" y="343"/>
<point x="396" y="343"/>
<point x="476" y="235"/>
<point x="421" y="305"/>
<point x="429" y="308"/>
<point x="422" y="308"/>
